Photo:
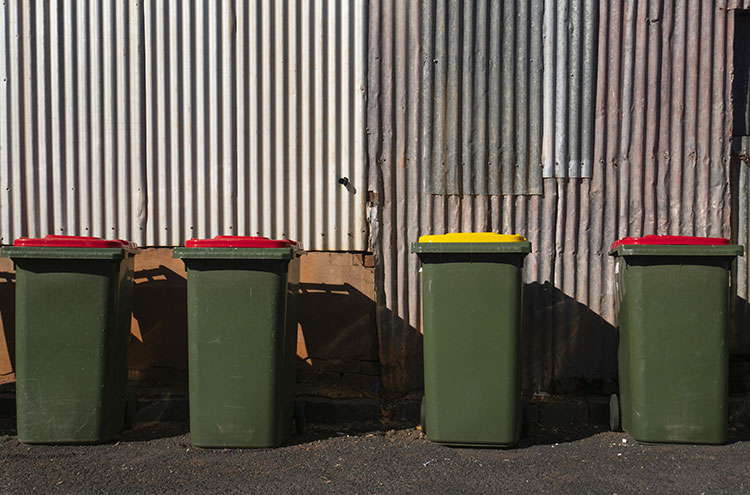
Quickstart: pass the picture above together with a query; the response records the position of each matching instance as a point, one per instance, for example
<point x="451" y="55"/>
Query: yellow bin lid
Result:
<point x="472" y="237"/>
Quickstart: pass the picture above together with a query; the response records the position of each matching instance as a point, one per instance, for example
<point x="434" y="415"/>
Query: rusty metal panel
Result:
<point x="661" y="133"/>
<point x="71" y="123"/>
<point x="161" y="120"/>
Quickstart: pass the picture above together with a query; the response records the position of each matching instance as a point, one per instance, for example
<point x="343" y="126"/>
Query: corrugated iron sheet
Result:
<point x="482" y="94"/>
<point x="504" y="99"/>
<point x="162" y="120"/>
<point x="739" y="170"/>
<point x="660" y="164"/>
<point x="740" y="338"/>
<point x="570" y="42"/>
<point x="71" y="123"/>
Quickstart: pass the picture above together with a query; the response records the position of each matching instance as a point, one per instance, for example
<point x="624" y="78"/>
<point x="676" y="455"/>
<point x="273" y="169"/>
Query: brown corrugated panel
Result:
<point x="660" y="165"/>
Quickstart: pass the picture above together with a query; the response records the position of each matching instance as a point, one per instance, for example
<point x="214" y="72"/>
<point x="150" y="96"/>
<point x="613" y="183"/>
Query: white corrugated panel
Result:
<point x="162" y="120"/>
<point x="71" y="133"/>
<point x="254" y="111"/>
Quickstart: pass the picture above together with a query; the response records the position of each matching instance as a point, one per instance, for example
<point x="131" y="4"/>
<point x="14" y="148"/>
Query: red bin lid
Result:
<point x="74" y="241"/>
<point x="239" y="241"/>
<point x="671" y="240"/>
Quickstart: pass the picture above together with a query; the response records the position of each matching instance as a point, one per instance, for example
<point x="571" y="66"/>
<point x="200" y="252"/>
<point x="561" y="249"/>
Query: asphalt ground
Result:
<point x="157" y="457"/>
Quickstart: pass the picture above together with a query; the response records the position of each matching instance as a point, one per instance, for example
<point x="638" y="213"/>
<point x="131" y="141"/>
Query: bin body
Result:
<point x="242" y="335"/>
<point x="73" y="311"/>
<point x="471" y="300"/>
<point x="673" y="320"/>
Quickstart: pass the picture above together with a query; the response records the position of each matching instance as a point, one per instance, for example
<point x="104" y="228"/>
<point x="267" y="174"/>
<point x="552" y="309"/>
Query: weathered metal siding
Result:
<point x="482" y="97"/>
<point x="740" y="174"/>
<point x="162" y="120"/>
<point x="570" y="42"/>
<point x="508" y="91"/>
<point x="660" y="164"/>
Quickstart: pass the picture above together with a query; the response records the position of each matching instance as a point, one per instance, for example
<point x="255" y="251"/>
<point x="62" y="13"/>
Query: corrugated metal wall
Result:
<point x="157" y="121"/>
<point x="740" y="173"/>
<point x="508" y="93"/>
<point x="570" y="42"/>
<point x="162" y="120"/>
<point x="71" y="119"/>
<point x="660" y="164"/>
<point x="482" y="97"/>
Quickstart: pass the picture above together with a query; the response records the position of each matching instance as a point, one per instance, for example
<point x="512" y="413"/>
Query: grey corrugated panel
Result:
<point x="162" y="120"/>
<point x="739" y="4"/>
<point x="570" y="34"/>
<point x="481" y="114"/>
<point x="660" y="165"/>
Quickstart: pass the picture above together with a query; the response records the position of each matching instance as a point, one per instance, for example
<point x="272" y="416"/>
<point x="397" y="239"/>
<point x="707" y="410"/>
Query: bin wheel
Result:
<point x="614" y="413"/>
<point x="423" y="415"/>
<point x="299" y="416"/>
<point x="131" y="408"/>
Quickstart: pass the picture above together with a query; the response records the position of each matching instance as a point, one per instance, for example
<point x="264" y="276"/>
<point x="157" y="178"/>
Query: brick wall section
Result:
<point x="337" y="337"/>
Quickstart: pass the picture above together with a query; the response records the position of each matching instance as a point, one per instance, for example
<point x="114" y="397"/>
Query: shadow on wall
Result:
<point x="401" y="355"/>
<point x="159" y="326"/>
<point x="337" y="342"/>
<point x="8" y="322"/>
<point x="739" y="338"/>
<point x="566" y="347"/>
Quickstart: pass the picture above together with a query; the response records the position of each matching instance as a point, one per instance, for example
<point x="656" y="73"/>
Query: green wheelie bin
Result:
<point x="673" y="296"/>
<point x="471" y="300"/>
<point x="242" y="337"/>
<point x="73" y="307"/>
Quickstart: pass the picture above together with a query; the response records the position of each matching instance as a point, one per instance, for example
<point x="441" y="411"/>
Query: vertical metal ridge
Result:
<point x="561" y="94"/>
<point x="170" y="97"/>
<point x="570" y="40"/>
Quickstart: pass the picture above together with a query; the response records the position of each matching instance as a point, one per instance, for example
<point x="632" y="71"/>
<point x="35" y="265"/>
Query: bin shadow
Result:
<point x="566" y="347"/>
<point x="739" y="335"/>
<point x="401" y="355"/>
<point x="337" y="340"/>
<point x="155" y="430"/>
<point x="160" y="324"/>
<point x="8" y="316"/>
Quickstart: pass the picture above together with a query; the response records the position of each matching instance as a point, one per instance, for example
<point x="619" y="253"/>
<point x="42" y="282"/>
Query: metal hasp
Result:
<point x="471" y="299"/>
<point x="242" y="339"/>
<point x="673" y="319"/>
<point x="73" y="307"/>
